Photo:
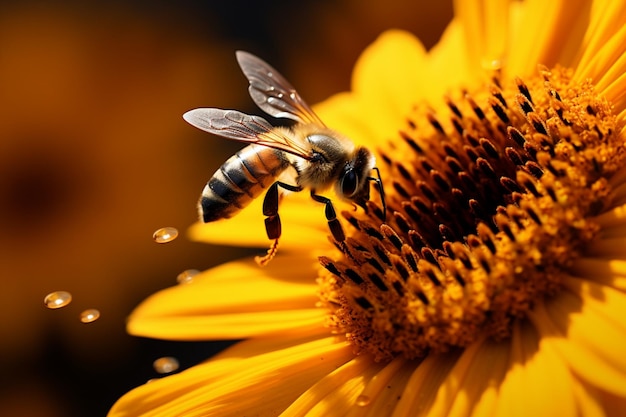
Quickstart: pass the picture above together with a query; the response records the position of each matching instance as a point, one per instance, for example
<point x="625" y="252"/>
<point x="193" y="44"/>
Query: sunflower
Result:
<point x="495" y="283"/>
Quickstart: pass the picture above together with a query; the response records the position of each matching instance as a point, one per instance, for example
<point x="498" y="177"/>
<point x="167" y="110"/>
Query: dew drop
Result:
<point x="165" y="234"/>
<point x="90" y="315"/>
<point x="186" y="277"/>
<point x="57" y="299"/>
<point x="363" y="400"/>
<point x="165" y="364"/>
<point x="491" y="64"/>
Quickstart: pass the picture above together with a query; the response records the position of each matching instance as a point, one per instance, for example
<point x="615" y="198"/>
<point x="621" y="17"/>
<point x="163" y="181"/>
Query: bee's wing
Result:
<point x="272" y="92"/>
<point x="243" y="127"/>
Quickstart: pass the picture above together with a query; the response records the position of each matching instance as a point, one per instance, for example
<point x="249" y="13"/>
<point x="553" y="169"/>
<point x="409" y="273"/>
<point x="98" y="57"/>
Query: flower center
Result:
<point x="488" y="205"/>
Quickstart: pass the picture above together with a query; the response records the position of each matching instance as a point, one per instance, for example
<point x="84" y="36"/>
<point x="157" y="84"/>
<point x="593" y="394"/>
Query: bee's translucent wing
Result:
<point x="243" y="127"/>
<point x="272" y="92"/>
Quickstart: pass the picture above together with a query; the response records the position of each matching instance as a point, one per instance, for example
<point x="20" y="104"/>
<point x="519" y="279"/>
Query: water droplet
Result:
<point x="165" y="364"/>
<point x="491" y="64"/>
<point x="363" y="400"/>
<point x="89" y="315"/>
<point x="57" y="299"/>
<point x="186" y="277"/>
<point x="165" y="234"/>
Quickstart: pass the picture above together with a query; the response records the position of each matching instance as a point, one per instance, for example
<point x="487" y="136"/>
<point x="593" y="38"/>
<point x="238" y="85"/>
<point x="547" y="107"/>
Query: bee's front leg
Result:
<point x="333" y="223"/>
<point x="273" y="226"/>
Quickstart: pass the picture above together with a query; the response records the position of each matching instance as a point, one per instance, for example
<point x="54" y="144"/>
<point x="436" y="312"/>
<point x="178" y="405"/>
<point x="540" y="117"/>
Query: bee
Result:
<point x="306" y="156"/>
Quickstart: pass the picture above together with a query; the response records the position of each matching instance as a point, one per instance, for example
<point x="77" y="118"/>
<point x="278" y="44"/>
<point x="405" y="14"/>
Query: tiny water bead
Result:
<point x="363" y="400"/>
<point x="186" y="277"/>
<point x="90" y="315"/>
<point x="165" y="234"/>
<point x="57" y="299"/>
<point x="166" y="364"/>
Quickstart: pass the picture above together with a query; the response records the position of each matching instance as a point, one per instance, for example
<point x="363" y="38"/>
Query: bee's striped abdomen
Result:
<point x="241" y="179"/>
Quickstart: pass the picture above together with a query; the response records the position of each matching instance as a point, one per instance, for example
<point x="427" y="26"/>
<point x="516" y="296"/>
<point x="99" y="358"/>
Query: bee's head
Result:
<point x="353" y="184"/>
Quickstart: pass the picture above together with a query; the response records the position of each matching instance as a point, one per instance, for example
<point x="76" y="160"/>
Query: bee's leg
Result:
<point x="272" y="220"/>
<point x="333" y="223"/>
<point x="379" y="185"/>
<point x="270" y="208"/>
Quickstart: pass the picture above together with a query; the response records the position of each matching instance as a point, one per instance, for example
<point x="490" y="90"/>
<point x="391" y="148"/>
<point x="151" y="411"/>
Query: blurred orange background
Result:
<point x="94" y="156"/>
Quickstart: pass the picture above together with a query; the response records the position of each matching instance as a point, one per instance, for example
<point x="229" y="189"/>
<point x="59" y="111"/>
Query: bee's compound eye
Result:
<point x="349" y="183"/>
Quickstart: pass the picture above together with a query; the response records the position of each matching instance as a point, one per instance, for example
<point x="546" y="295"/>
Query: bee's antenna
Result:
<point x="379" y="184"/>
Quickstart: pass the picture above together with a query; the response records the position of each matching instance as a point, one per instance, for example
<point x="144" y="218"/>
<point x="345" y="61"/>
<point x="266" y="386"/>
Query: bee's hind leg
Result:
<point x="273" y="226"/>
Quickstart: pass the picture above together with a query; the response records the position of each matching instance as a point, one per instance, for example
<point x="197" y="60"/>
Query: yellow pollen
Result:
<point x="489" y="201"/>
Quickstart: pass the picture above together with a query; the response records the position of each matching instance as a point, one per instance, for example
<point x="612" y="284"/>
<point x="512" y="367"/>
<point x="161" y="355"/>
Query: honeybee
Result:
<point x="307" y="155"/>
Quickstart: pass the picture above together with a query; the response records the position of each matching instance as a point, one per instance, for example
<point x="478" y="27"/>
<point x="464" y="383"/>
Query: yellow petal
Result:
<point x="450" y="389"/>
<point x="608" y="247"/>
<point x="591" y="362"/>
<point x="448" y="65"/>
<point x="599" y="298"/>
<point x="511" y="402"/>
<point x="606" y="22"/>
<point x="394" y="56"/>
<point x="588" y="399"/>
<point x="538" y="380"/>
<point x="547" y="33"/>
<point x="343" y="113"/>
<point x="614" y="405"/>
<point x="460" y="385"/>
<point x="238" y="387"/>
<point x="607" y="68"/>
<point x="593" y="315"/>
<point x="607" y="60"/>
<point x="421" y="388"/>
<point x="383" y="391"/>
<point x="615" y="91"/>
<point x="235" y="300"/>
<point x="476" y="383"/>
<point x="228" y="326"/>
<point x="619" y="192"/>
<point x="337" y="392"/>
<point x="608" y="272"/>
<point x="485" y="24"/>
<point x="611" y="219"/>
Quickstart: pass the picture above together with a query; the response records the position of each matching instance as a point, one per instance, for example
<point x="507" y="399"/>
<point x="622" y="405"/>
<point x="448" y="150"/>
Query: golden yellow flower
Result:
<point x="495" y="286"/>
